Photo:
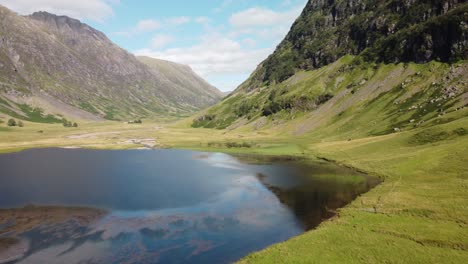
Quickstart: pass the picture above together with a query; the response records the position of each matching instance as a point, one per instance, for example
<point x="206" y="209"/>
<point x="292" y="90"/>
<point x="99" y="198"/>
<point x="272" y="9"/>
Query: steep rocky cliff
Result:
<point x="47" y="58"/>
<point x="389" y="31"/>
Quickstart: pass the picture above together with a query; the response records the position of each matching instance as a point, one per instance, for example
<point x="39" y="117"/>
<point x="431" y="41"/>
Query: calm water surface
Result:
<point x="168" y="206"/>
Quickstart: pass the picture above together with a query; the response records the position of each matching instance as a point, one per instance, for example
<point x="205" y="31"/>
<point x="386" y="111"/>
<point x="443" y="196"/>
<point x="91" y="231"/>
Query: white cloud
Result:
<point x="122" y="33"/>
<point x="150" y="25"/>
<point x="262" y="23"/>
<point x="286" y="3"/>
<point x="272" y="34"/>
<point x="233" y="55"/>
<point x="176" y="21"/>
<point x="97" y="10"/>
<point x="223" y="6"/>
<point x="249" y="42"/>
<point x="147" y="25"/>
<point x="213" y="55"/>
<point x="258" y="16"/>
<point x="161" y="41"/>
<point x="203" y="20"/>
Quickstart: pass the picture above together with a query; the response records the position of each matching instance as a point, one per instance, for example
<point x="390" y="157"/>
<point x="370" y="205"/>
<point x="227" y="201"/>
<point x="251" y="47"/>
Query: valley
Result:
<point x="376" y="88"/>
<point x="409" y="212"/>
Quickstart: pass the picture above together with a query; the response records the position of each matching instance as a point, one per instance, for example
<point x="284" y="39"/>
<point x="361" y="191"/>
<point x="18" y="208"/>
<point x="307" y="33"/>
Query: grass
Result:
<point x="88" y="107"/>
<point x="28" y="113"/>
<point x="37" y="115"/>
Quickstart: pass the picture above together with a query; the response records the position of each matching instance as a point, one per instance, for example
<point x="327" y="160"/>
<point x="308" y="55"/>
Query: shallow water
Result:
<point x="169" y="206"/>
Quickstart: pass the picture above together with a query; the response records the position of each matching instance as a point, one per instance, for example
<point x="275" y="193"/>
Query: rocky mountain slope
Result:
<point x="57" y="65"/>
<point x="388" y="31"/>
<point x="185" y="79"/>
<point x="355" y="68"/>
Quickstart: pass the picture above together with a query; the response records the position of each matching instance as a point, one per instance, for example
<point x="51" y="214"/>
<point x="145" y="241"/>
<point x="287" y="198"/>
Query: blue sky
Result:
<point x="223" y="41"/>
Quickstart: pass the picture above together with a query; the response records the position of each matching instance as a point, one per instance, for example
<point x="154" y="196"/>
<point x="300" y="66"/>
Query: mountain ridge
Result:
<point x="60" y="57"/>
<point x="182" y="75"/>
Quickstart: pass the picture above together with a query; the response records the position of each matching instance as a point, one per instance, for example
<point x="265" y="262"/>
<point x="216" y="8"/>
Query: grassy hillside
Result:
<point x="185" y="79"/>
<point x="404" y="61"/>
<point x="349" y="99"/>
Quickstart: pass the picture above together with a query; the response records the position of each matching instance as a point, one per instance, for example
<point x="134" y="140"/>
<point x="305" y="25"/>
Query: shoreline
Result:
<point x="92" y="211"/>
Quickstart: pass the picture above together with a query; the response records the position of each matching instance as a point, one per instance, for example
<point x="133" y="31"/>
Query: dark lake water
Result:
<point x="168" y="206"/>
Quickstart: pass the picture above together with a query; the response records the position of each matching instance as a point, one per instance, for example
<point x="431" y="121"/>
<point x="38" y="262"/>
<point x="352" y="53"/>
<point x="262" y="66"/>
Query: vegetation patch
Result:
<point x="68" y="123"/>
<point x="89" y="108"/>
<point x="137" y="121"/>
<point x="109" y="115"/>
<point x="37" y="115"/>
<point x="434" y="135"/>
<point x="12" y="122"/>
<point x="203" y="120"/>
<point x="4" y="102"/>
<point x="230" y="145"/>
<point x="238" y="145"/>
<point x="210" y="121"/>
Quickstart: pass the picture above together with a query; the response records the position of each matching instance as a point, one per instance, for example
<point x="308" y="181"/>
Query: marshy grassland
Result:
<point x="418" y="213"/>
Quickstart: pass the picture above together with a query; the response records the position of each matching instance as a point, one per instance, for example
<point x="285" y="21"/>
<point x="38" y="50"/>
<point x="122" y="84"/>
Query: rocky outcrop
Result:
<point x="388" y="31"/>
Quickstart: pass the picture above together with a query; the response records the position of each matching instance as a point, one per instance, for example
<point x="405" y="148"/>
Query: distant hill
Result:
<point x="186" y="80"/>
<point x="56" y="65"/>
<point x="357" y="68"/>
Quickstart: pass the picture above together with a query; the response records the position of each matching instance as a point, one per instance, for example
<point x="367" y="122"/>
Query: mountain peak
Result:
<point x="64" y="23"/>
<point x="46" y="16"/>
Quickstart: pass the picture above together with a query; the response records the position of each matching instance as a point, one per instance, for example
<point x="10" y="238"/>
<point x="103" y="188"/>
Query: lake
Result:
<point x="160" y="206"/>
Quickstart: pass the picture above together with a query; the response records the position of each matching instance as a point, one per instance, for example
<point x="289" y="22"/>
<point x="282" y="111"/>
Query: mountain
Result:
<point x="57" y="65"/>
<point x="354" y="68"/>
<point x="388" y="31"/>
<point x="187" y="81"/>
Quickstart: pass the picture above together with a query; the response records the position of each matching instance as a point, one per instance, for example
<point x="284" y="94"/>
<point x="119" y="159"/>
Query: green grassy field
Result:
<point x="419" y="213"/>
